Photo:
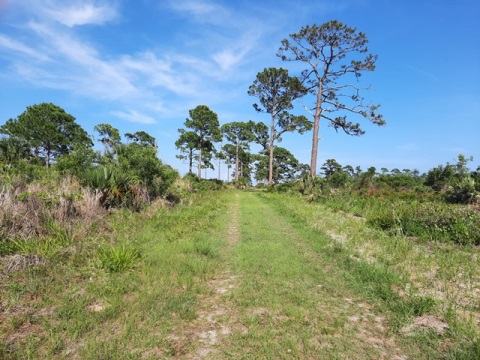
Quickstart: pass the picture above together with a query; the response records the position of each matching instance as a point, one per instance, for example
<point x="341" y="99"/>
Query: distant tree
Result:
<point x="204" y="123"/>
<point x="330" y="167"/>
<point x="349" y="170"/>
<point x="207" y="157"/>
<point x="285" y="166"/>
<point x="358" y="171"/>
<point x="109" y="137"/>
<point x="239" y="134"/>
<point x="440" y="177"/>
<point x="246" y="160"/>
<point x="187" y="143"/>
<point x="143" y="138"/>
<point x="276" y="91"/>
<point x="47" y="130"/>
<point x="220" y="156"/>
<point x="229" y="152"/>
<point x="366" y="178"/>
<point x="336" y="175"/>
<point x="456" y="181"/>
<point x="326" y="50"/>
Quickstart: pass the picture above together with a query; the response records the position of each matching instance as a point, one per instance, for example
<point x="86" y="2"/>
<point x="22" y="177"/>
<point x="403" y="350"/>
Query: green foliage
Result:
<point x="401" y="181"/>
<point x="440" y="177"/>
<point x="196" y="184"/>
<point x="327" y="52"/>
<point x="47" y="130"/>
<point x="118" y="258"/>
<point x="470" y="351"/>
<point x="455" y="181"/>
<point x="110" y="137"/>
<point x="187" y="144"/>
<point x="428" y="220"/>
<point x="422" y="305"/>
<point x="141" y="162"/>
<point x="142" y="138"/>
<point x="285" y="167"/>
<point x="13" y="150"/>
<point x="116" y="187"/>
<point x="276" y="91"/>
<point x="239" y="134"/>
<point x="205" y="131"/>
<point x="80" y="159"/>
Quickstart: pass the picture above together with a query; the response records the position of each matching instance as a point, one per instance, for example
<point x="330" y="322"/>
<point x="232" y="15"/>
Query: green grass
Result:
<point x="411" y="214"/>
<point x="116" y="296"/>
<point x="401" y="276"/>
<point x="297" y="280"/>
<point x="296" y="296"/>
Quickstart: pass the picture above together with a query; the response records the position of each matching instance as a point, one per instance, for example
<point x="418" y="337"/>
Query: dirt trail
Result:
<point x="216" y="317"/>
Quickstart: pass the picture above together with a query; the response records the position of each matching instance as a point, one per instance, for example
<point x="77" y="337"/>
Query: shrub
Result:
<point x="116" y="187"/>
<point x="430" y="221"/>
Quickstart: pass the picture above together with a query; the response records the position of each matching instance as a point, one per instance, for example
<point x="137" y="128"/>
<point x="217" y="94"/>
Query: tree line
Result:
<point x="127" y="171"/>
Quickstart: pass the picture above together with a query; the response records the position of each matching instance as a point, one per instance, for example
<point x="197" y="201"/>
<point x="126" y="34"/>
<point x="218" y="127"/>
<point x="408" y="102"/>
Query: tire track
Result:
<point x="216" y="316"/>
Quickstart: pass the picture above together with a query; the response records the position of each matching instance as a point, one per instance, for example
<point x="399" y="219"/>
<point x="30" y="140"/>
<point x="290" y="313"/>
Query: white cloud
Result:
<point x="19" y="47"/>
<point x="71" y="13"/>
<point x="165" y="83"/>
<point x="233" y="56"/>
<point x="201" y="10"/>
<point x="134" y="116"/>
<point x="82" y="14"/>
<point x="80" y="64"/>
<point x="157" y="72"/>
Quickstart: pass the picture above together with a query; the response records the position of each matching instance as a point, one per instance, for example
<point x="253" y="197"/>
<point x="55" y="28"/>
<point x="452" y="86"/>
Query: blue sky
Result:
<point x="141" y="65"/>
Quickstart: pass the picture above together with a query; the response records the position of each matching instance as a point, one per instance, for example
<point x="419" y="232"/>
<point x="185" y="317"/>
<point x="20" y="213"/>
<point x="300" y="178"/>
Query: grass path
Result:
<point x="276" y="295"/>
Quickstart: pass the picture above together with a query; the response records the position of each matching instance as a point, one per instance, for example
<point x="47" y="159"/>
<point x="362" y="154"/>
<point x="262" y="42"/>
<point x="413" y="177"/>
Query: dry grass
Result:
<point x="28" y="210"/>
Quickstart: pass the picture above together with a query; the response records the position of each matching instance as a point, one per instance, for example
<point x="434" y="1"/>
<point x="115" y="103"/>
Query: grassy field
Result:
<point x="232" y="275"/>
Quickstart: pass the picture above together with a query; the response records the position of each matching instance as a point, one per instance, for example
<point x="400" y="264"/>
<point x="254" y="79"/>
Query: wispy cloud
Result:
<point x="202" y="11"/>
<point x="232" y="56"/>
<point x="81" y="13"/>
<point x="80" y="64"/>
<point x="423" y="72"/>
<point x="72" y="13"/>
<point x="18" y="47"/>
<point x="134" y="116"/>
<point x="164" y="83"/>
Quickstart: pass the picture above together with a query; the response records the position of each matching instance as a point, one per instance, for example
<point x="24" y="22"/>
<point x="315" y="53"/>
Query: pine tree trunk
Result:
<point x="236" y="163"/>
<point x="190" y="162"/>
<point x="270" y="162"/>
<point x="200" y="163"/>
<point x="219" y="163"/>
<point x="228" y="169"/>
<point x="316" y="128"/>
